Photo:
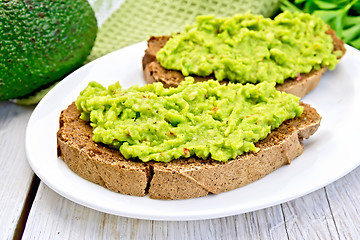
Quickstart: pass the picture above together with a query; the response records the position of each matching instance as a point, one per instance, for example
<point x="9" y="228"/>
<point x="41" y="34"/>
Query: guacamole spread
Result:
<point x="251" y="48"/>
<point x="204" y="119"/>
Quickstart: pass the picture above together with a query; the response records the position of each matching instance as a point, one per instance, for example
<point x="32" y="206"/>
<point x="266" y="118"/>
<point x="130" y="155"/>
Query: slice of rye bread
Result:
<point x="182" y="178"/>
<point x="154" y="72"/>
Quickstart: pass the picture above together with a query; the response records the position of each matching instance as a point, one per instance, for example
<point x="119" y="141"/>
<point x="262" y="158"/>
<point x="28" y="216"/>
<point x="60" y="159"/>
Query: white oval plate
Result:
<point x="329" y="154"/>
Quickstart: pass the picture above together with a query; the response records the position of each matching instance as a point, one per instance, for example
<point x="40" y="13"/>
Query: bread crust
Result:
<point x="182" y="178"/>
<point x="154" y="72"/>
<point x="95" y="162"/>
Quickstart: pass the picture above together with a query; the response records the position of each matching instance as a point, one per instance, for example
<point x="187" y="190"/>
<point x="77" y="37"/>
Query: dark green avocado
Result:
<point x="41" y="41"/>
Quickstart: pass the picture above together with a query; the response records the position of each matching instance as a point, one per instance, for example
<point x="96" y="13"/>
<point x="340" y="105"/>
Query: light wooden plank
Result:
<point x="274" y="223"/>
<point x="309" y="217"/>
<point x="344" y="199"/>
<point x="16" y="174"/>
<point x="54" y="217"/>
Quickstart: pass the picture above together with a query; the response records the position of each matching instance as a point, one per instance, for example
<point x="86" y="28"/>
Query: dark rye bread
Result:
<point x="154" y="72"/>
<point x="95" y="162"/>
<point x="183" y="178"/>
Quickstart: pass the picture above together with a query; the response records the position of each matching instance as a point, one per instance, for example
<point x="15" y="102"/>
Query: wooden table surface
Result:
<point x="30" y="209"/>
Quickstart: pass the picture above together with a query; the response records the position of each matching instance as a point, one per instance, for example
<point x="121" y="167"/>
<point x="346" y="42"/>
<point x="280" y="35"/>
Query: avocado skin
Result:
<point x="41" y="42"/>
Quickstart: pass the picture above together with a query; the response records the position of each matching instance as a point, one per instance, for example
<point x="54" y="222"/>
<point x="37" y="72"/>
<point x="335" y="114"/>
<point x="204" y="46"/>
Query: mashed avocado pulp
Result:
<point x="204" y="119"/>
<point x="251" y="48"/>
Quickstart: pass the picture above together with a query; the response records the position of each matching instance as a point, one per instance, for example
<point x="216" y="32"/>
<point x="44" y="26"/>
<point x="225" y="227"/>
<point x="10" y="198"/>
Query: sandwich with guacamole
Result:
<point x="292" y="50"/>
<point x="182" y="142"/>
<point x="212" y="118"/>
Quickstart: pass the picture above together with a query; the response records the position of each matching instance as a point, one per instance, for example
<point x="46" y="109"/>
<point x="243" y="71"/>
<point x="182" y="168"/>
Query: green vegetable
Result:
<point x="341" y="15"/>
<point x="41" y="42"/>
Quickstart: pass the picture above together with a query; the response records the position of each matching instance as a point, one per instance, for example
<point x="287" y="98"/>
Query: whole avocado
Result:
<point x="41" y="41"/>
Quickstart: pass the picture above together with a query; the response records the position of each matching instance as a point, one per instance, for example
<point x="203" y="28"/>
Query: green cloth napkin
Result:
<point x="136" y="20"/>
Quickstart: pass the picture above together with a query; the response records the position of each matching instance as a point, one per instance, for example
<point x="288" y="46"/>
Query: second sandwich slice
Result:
<point x="293" y="50"/>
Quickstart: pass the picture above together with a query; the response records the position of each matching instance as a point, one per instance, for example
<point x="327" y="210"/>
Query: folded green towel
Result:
<point x="136" y="20"/>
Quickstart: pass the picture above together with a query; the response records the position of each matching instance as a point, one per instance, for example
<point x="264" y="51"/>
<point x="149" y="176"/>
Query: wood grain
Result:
<point x="309" y="217"/>
<point x="344" y="199"/>
<point x="54" y="217"/>
<point x="16" y="175"/>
